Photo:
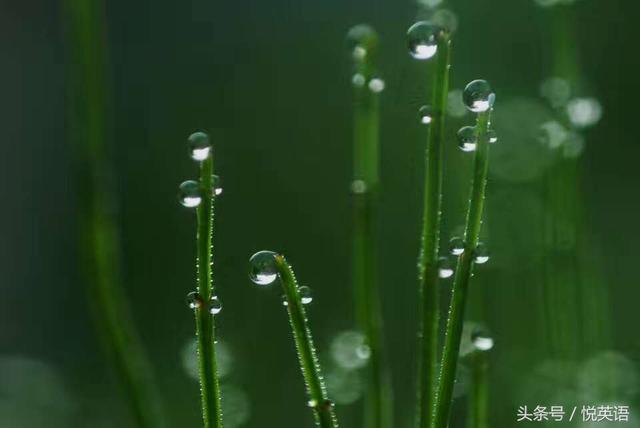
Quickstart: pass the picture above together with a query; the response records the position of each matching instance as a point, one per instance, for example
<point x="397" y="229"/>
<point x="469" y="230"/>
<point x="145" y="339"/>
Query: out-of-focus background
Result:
<point x="271" y="82"/>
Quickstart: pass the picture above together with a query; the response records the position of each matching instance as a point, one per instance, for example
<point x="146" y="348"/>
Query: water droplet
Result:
<point x="376" y="85"/>
<point x="199" y="146"/>
<point x="493" y="137"/>
<point x="263" y="269"/>
<point x="358" y="187"/>
<point x="194" y="300"/>
<point x="481" y="340"/>
<point x="478" y="96"/>
<point x="422" y="39"/>
<point x="350" y="350"/>
<point x="189" y="194"/>
<point x="556" y="90"/>
<point x="480" y="254"/>
<point x="426" y="115"/>
<point x="552" y="134"/>
<point x="305" y="294"/>
<point x="358" y="80"/>
<point x="573" y="145"/>
<point x="445" y="269"/>
<point x="215" y="306"/>
<point x="312" y="403"/>
<point x="456" y="246"/>
<point x="455" y="106"/>
<point x="584" y="112"/>
<point x="361" y="41"/>
<point x="217" y="185"/>
<point x="284" y="301"/>
<point x="430" y="3"/>
<point x="467" y="139"/>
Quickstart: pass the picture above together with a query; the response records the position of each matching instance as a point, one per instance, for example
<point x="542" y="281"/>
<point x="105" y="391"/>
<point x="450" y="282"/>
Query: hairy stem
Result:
<point x="318" y="400"/>
<point x="205" y="326"/>
<point x="99" y="230"/>
<point x="365" y="189"/>
<point x="479" y="400"/>
<point x="463" y="274"/>
<point x="428" y="258"/>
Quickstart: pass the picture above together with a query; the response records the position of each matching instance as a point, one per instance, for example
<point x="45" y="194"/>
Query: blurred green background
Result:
<point x="270" y="81"/>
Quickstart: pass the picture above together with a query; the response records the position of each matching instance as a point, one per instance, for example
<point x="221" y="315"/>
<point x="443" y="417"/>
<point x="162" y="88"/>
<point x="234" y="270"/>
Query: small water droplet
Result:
<point x="189" y="194"/>
<point x="584" y="112"/>
<point x="481" y="340"/>
<point x="217" y="185"/>
<point x="361" y="40"/>
<point x="493" y="137"/>
<point x="305" y="295"/>
<point x="215" y="306"/>
<point x="199" y="146"/>
<point x="376" y="85"/>
<point x="426" y="115"/>
<point x="478" y="96"/>
<point x="262" y="267"/>
<point x="194" y="300"/>
<point x="312" y="403"/>
<point x="422" y="40"/>
<point x="358" y="80"/>
<point x="480" y="254"/>
<point x="358" y="187"/>
<point x="445" y="269"/>
<point x="467" y="139"/>
<point x="456" y="246"/>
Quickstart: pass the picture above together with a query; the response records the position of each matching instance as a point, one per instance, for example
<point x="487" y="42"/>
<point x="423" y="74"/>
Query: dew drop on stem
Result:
<point x="189" y="194"/>
<point x="456" y="246"/>
<point x="262" y="268"/>
<point x="478" y="96"/>
<point x="194" y="300"/>
<point x="422" y="40"/>
<point x="199" y="146"/>
<point x="467" y="138"/>
<point x="215" y="306"/>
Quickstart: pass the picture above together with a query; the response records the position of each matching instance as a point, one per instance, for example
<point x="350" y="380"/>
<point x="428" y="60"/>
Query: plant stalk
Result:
<point x="89" y="118"/>
<point x="205" y="326"/>
<point x="428" y="258"/>
<point x="479" y="400"/>
<point x="318" y="400"/>
<point x="463" y="274"/>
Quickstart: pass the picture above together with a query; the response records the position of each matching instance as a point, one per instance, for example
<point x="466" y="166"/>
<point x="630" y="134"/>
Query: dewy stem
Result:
<point x="365" y="190"/>
<point x="463" y="274"/>
<point x="99" y="230"/>
<point x="318" y="400"/>
<point x="479" y="399"/>
<point x="428" y="258"/>
<point x="205" y="327"/>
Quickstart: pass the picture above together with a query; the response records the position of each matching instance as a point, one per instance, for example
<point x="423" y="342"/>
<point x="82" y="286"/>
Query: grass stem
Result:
<point x="318" y="400"/>
<point x="463" y="274"/>
<point x="479" y="400"/>
<point x="428" y="258"/>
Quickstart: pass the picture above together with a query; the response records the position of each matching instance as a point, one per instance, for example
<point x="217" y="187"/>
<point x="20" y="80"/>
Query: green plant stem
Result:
<point x="365" y="248"/>
<point x="318" y="400"/>
<point x="479" y="400"/>
<point x="463" y="274"/>
<point x="98" y="226"/>
<point x="428" y="258"/>
<point x="205" y="326"/>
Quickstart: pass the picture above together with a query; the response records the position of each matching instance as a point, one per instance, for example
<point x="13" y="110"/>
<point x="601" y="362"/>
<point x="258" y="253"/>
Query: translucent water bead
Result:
<point x="262" y="267"/>
<point x="189" y="194"/>
<point x="425" y="114"/>
<point x="361" y="41"/>
<point x="467" y="139"/>
<point x="422" y="40"/>
<point x="199" y="146"/>
<point x="215" y="306"/>
<point x="478" y="96"/>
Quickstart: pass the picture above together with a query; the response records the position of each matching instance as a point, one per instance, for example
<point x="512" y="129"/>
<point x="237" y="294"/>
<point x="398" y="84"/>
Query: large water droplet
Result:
<point x="422" y="40"/>
<point x="376" y="85"/>
<point x="305" y="295"/>
<point x="194" y="300"/>
<point x="263" y="269"/>
<point x="481" y="340"/>
<point x="199" y="146"/>
<point x="467" y="138"/>
<point x="217" y="185"/>
<point x="456" y="246"/>
<point x="445" y="269"/>
<point x="215" y="306"/>
<point x="480" y="254"/>
<point x="350" y="350"/>
<point x="478" y="96"/>
<point x="189" y="194"/>
<point x="584" y="112"/>
<point x="426" y="115"/>
<point x="361" y="40"/>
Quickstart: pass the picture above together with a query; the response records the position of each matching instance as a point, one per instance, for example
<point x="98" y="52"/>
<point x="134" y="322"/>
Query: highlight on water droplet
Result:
<point x="584" y="112"/>
<point x="199" y="146"/>
<point x="217" y="185"/>
<point x="481" y="340"/>
<point x="312" y="403"/>
<point x="492" y="136"/>
<point x="480" y="254"/>
<point x="189" y="194"/>
<point x="194" y="300"/>
<point x="376" y="85"/>
<point x="361" y="41"/>
<point x="426" y="115"/>
<point x="305" y="295"/>
<point x="467" y="138"/>
<point x="262" y="267"/>
<point x="445" y="268"/>
<point x="478" y="96"/>
<point x="456" y="246"/>
<point x="422" y="40"/>
<point x="215" y="306"/>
